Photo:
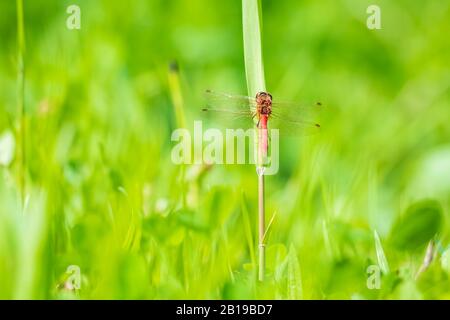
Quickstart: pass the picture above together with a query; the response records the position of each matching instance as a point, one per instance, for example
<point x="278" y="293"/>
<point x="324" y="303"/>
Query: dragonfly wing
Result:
<point x="288" y="127"/>
<point x="230" y="102"/>
<point x="215" y="118"/>
<point x="226" y="111"/>
<point x="296" y="111"/>
<point x="294" y="119"/>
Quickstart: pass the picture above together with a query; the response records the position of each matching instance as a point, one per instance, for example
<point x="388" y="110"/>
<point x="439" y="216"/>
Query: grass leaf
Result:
<point x="248" y="229"/>
<point x="294" y="279"/>
<point x="381" y="257"/>
<point x="254" y="68"/>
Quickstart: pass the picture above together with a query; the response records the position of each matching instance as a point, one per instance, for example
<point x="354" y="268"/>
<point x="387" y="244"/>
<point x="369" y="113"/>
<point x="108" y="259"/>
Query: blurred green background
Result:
<point x="103" y="195"/>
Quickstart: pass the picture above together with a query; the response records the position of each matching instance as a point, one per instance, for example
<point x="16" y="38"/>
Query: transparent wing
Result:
<point x="297" y="111"/>
<point x="288" y="127"/>
<point x="295" y="119"/>
<point x="228" y="102"/>
<point x="225" y="110"/>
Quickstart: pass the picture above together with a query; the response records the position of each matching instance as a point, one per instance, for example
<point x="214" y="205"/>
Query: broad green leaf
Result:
<point x="417" y="226"/>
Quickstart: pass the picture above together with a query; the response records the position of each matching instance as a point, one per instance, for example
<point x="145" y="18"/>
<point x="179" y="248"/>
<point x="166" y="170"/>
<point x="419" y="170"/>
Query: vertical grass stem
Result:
<point x="21" y="98"/>
<point x="254" y="71"/>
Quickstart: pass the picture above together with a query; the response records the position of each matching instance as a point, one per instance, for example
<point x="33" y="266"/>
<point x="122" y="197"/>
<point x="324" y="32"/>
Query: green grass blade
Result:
<point x="294" y="278"/>
<point x="254" y="68"/>
<point x="248" y="229"/>
<point x="381" y="257"/>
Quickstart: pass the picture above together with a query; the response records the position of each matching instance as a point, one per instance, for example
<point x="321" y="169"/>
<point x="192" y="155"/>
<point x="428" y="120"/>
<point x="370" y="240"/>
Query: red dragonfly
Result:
<point x="289" y="118"/>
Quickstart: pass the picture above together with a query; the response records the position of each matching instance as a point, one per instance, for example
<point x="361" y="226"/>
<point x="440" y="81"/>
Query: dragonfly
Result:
<point x="240" y="111"/>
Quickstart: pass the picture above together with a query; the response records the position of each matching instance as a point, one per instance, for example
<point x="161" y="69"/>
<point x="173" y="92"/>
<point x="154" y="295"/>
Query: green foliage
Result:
<point x="419" y="224"/>
<point x="103" y="194"/>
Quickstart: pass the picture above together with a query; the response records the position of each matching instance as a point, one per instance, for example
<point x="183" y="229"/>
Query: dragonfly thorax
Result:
<point x="264" y="103"/>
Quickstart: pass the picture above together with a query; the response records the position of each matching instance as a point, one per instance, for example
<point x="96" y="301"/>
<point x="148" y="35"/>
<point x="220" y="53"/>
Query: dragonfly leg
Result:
<point x="253" y="117"/>
<point x="259" y="120"/>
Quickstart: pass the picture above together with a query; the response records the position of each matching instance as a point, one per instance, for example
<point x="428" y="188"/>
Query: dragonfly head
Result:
<point x="264" y="98"/>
